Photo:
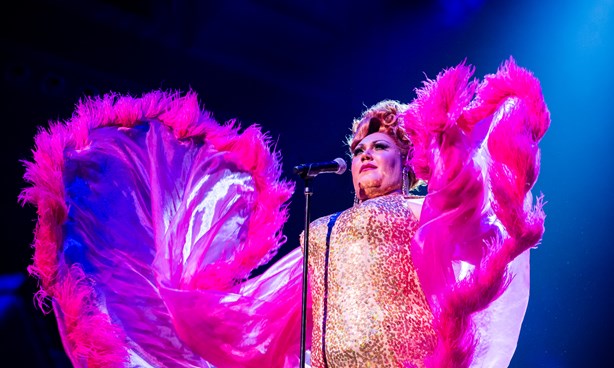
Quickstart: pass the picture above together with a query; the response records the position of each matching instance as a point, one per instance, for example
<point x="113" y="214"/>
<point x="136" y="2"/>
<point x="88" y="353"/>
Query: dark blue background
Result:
<point x="303" y="70"/>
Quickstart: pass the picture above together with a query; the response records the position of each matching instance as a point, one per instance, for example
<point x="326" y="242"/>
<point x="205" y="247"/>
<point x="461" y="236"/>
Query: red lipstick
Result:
<point x="367" y="167"/>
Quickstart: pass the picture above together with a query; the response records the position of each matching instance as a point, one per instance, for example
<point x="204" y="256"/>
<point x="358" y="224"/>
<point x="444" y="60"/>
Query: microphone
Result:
<point x="310" y="170"/>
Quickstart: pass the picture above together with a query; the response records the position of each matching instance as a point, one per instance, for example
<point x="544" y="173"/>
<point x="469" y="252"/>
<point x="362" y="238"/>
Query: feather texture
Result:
<point x="476" y="143"/>
<point x="114" y="189"/>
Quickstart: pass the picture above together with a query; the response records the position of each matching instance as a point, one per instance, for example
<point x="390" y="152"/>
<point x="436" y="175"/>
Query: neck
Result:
<point x="396" y="191"/>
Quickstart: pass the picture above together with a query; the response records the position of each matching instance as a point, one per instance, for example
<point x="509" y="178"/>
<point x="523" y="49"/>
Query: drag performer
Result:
<point x="152" y="217"/>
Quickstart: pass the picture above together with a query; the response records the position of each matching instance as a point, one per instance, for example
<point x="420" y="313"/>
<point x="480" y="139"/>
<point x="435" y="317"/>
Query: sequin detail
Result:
<point x="377" y="315"/>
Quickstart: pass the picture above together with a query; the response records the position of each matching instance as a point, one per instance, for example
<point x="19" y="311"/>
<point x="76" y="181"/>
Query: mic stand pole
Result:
<point x="308" y="193"/>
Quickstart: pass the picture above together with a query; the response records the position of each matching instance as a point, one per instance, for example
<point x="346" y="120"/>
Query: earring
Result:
<point x="356" y="200"/>
<point x="405" y="185"/>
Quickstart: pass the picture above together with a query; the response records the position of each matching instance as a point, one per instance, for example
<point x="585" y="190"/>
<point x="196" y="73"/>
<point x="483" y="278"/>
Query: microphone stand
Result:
<point x="307" y="172"/>
<point x="308" y="192"/>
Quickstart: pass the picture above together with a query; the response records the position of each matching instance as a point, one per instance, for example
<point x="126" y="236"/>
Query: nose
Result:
<point x="366" y="155"/>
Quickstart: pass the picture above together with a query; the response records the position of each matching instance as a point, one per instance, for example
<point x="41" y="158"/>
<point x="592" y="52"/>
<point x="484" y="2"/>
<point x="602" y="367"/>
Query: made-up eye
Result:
<point x="357" y="151"/>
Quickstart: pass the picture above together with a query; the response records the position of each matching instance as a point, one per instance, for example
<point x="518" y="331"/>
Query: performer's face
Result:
<point x="376" y="166"/>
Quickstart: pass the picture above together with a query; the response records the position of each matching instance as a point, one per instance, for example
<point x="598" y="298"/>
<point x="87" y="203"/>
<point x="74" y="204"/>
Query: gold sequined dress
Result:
<point x="368" y="307"/>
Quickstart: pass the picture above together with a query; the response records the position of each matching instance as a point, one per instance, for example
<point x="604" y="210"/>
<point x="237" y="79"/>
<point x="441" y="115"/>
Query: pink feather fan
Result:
<point x="476" y="144"/>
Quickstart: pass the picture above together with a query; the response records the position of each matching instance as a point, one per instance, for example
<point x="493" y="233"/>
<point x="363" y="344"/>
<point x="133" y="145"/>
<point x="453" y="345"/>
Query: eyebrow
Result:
<point x="373" y="142"/>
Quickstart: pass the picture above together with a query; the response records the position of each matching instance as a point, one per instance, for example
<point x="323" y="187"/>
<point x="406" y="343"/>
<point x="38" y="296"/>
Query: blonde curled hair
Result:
<point x="384" y="117"/>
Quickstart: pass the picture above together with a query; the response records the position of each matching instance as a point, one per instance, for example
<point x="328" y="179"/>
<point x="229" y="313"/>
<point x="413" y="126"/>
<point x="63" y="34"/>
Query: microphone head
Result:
<point x="342" y="165"/>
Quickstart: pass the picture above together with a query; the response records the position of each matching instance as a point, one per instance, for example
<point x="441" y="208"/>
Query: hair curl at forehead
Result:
<point x="383" y="117"/>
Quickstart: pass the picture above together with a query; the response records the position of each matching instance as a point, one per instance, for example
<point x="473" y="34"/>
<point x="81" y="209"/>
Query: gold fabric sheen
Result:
<point x="377" y="315"/>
